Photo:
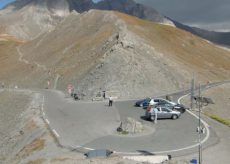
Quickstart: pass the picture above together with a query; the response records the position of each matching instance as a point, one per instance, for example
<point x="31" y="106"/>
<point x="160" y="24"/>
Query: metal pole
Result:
<point x="199" y="129"/>
<point x="192" y="93"/>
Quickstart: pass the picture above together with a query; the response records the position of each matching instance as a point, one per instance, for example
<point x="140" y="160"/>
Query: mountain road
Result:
<point x="92" y="125"/>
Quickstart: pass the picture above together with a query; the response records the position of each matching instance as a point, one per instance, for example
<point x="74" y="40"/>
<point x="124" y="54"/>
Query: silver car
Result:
<point x="162" y="112"/>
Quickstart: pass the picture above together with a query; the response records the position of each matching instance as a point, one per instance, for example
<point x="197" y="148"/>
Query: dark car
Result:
<point x="140" y="103"/>
<point x="180" y="107"/>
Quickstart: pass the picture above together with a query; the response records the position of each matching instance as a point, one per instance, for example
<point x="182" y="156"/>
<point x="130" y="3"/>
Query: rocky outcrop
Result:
<point x="28" y="19"/>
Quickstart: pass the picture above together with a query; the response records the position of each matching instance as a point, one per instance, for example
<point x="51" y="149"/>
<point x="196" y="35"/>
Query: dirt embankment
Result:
<point x="221" y="109"/>
<point x="19" y="130"/>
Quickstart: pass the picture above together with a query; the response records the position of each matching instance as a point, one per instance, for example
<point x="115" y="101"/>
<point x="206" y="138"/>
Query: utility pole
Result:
<point x="199" y="127"/>
<point x="192" y="93"/>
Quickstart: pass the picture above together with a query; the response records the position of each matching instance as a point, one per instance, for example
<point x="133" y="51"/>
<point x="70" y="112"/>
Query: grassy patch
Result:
<point x="59" y="160"/>
<point x="38" y="161"/>
<point x="219" y="119"/>
<point x="36" y="145"/>
<point x="124" y="132"/>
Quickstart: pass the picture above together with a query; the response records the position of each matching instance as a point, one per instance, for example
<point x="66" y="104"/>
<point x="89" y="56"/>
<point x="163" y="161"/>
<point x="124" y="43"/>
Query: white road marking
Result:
<point x="159" y="152"/>
<point x="88" y="148"/>
<point x="47" y="121"/>
<point x="55" y="133"/>
<point x="185" y="148"/>
<point x="182" y="98"/>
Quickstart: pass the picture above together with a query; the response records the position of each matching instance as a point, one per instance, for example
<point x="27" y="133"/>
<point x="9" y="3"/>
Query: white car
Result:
<point x="162" y="112"/>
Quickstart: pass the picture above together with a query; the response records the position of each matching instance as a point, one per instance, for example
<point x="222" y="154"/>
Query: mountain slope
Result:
<point x="27" y="19"/>
<point x="222" y="38"/>
<point x="115" y="52"/>
<point x="40" y="16"/>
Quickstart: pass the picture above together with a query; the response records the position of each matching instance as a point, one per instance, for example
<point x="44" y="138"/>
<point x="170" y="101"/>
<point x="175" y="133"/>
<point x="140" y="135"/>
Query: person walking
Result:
<point x="110" y="101"/>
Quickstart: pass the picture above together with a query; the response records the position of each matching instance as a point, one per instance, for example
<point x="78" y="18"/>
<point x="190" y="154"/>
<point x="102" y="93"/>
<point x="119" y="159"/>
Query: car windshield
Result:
<point x="156" y="100"/>
<point x="148" y="99"/>
<point x="166" y="110"/>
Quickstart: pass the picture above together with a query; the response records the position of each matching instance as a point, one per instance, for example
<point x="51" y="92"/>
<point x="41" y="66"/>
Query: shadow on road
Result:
<point x="144" y="152"/>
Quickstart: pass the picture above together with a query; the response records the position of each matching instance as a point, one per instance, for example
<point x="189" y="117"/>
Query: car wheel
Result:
<point x="183" y="110"/>
<point x="152" y="118"/>
<point x="174" y="117"/>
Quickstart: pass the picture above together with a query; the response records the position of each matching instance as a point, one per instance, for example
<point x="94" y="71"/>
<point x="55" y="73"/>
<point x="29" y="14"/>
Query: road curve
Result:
<point x="92" y="125"/>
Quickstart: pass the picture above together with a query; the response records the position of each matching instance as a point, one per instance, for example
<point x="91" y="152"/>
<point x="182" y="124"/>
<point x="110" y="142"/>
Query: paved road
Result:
<point x="78" y="123"/>
<point x="93" y="125"/>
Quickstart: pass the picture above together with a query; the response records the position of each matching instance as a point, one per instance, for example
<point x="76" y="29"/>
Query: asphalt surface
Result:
<point x="78" y="123"/>
<point x="93" y="125"/>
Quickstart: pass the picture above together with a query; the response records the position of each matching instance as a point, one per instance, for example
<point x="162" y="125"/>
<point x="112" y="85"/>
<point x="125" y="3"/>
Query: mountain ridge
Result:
<point x="112" y="51"/>
<point x="132" y="8"/>
<point x="52" y="8"/>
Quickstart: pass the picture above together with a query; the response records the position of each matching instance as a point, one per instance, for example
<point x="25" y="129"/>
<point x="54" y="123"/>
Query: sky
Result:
<point x="4" y="2"/>
<point x="207" y="14"/>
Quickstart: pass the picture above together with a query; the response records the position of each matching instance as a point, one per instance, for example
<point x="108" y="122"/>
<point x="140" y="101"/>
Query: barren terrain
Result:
<point x="27" y="139"/>
<point x="96" y="51"/>
<point x="114" y="52"/>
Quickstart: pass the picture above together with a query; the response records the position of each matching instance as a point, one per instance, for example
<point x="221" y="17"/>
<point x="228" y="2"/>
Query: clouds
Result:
<point x="209" y="14"/>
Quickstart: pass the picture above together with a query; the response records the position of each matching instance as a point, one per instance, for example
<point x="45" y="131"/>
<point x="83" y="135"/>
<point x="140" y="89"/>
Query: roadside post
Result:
<point x="70" y="89"/>
<point x="201" y="101"/>
<point x="192" y="93"/>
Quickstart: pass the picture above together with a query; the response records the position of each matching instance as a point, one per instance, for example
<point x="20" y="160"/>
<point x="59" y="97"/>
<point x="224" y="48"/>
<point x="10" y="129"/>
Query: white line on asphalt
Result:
<point x="206" y="125"/>
<point x="160" y="152"/>
<point x="47" y="121"/>
<point x="88" y="148"/>
<point x="185" y="148"/>
<point x="182" y="98"/>
<point x="55" y="133"/>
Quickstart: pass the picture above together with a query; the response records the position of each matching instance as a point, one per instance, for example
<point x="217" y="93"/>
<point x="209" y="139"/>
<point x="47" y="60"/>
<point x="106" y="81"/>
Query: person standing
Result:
<point x="110" y="101"/>
<point x="104" y="94"/>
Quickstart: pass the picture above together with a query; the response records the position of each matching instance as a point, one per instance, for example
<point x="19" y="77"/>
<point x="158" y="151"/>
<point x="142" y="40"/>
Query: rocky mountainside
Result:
<point x="103" y="50"/>
<point x="27" y="19"/>
<point x="39" y="16"/>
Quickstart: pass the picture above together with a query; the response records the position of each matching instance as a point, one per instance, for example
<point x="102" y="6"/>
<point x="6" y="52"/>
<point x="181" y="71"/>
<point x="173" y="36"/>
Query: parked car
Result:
<point x="143" y="101"/>
<point x="159" y="101"/>
<point x="162" y="112"/>
<point x="178" y="107"/>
